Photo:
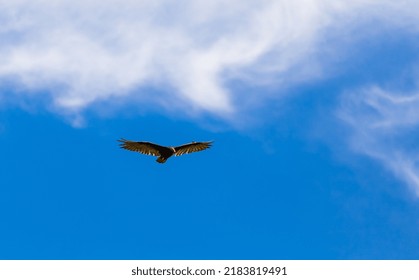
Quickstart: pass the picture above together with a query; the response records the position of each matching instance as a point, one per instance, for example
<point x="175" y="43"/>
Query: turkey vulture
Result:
<point x="162" y="152"/>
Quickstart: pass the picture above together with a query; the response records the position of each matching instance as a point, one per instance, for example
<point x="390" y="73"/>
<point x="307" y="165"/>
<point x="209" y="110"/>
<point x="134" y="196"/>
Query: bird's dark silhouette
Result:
<point x="162" y="152"/>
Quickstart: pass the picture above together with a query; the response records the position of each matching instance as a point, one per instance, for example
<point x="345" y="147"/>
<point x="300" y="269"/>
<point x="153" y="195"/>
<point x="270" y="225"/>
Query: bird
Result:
<point x="163" y="152"/>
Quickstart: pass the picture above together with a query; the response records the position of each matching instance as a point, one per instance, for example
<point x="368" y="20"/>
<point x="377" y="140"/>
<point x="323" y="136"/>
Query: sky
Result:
<point x="313" y="107"/>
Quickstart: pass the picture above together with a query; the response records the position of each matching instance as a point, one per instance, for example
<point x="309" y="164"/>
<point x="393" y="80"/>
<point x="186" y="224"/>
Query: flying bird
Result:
<point x="162" y="152"/>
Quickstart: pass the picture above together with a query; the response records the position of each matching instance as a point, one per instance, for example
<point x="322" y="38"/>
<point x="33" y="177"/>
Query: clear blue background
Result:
<point x="266" y="193"/>
<point x="284" y="187"/>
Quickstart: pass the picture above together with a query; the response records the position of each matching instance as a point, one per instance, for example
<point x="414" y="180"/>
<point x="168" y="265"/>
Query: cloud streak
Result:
<point x="384" y="126"/>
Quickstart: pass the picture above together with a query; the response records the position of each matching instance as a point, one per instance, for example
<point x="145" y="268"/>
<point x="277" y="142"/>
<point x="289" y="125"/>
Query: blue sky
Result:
<point x="313" y="107"/>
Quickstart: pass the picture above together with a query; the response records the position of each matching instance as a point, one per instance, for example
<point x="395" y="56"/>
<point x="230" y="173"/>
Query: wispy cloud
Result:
<point x="87" y="51"/>
<point x="385" y="126"/>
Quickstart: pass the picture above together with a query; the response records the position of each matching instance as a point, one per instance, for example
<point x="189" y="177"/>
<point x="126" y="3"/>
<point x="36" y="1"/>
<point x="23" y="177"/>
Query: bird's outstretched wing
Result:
<point x="192" y="147"/>
<point x="146" y="148"/>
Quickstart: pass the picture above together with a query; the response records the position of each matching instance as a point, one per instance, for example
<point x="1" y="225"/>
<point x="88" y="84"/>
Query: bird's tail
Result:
<point x="161" y="160"/>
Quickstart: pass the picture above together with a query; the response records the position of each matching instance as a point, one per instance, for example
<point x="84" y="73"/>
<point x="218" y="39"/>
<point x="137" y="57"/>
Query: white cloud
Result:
<point x="86" y="51"/>
<point x="384" y="126"/>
